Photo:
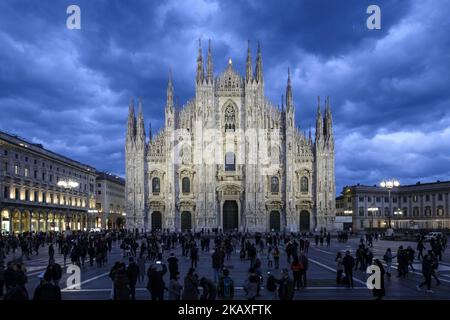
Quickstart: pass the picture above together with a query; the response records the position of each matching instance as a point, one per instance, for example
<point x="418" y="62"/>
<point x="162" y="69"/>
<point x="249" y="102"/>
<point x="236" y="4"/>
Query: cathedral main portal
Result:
<point x="230" y="216"/>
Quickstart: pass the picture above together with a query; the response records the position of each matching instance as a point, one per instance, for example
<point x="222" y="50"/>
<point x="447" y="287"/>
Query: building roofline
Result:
<point x="35" y="147"/>
<point x="110" y="177"/>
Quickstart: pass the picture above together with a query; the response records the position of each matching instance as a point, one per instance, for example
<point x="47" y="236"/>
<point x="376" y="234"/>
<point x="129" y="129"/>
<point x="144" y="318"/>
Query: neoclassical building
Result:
<point x="230" y="159"/>
<point x="42" y="190"/>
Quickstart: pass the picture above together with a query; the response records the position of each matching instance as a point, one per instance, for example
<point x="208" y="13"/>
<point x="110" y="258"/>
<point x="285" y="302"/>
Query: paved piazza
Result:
<point x="96" y="285"/>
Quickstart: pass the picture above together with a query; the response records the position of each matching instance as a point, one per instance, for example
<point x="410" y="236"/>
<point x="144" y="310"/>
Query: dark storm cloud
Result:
<point x="389" y="88"/>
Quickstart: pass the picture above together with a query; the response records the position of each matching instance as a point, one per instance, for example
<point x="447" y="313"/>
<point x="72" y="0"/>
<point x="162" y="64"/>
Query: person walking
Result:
<point x="339" y="268"/>
<point x="209" y="289"/>
<point x="420" y="247"/>
<point x="286" y="286"/>
<point x="194" y="256"/>
<point x="156" y="283"/>
<point x="304" y="264"/>
<point x="349" y="263"/>
<point x="226" y="286"/>
<point x="175" y="287"/>
<point x="190" y="288"/>
<point x="141" y="265"/>
<point x="251" y="285"/>
<point x="271" y="286"/>
<point x="51" y="252"/>
<point x="276" y="257"/>
<point x="296" y="272"/>
<point x="380" y="292"/>
<point x="55" y="272"/>
<point x="217" y="264"/>
<point x="388" y="258"/>
<point x="121" y="284"/>
<point x="172" y="262"/>
<point x="46" y="290"/>
<point x="133" y="275"/>
<point x="427" y="270"/>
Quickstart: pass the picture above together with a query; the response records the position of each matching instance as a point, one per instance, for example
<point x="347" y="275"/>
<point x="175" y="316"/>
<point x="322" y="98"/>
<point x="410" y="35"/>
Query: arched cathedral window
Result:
<point x="304" y="185"/>
<point x="185" y="185"/>
<point x="274" y="185"/>
<point x="230" y="119"/>
<point x="156" y="187"/>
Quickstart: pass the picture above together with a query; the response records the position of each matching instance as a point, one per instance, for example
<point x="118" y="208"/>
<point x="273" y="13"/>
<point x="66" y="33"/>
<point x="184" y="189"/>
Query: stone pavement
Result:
<point x="96" y="285"/>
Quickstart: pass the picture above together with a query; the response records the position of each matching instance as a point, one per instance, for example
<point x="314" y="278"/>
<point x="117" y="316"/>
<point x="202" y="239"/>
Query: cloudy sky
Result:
<point x="389" y="88"/>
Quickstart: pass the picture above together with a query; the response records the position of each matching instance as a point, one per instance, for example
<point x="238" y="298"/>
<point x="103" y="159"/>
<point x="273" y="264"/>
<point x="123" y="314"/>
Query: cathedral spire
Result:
<point x="169" y="101"/>
<point x="258" y="70"/>
<point x="209" y="65"/>
<point x="131" y="128"/>
<point x="328" y="127"/>
<point x="150" y="132"/>
<point x="200" y="67"/>
<point x="319" y="122"/>
<point x="289" y="101"/>
<point x="309" y="134"/>
<point x="248" y="67"/>
<point x="140" y="130"/>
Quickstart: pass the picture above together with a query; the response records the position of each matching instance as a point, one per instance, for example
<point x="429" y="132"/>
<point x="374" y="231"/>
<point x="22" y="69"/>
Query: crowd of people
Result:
<point x="161" y="251"/>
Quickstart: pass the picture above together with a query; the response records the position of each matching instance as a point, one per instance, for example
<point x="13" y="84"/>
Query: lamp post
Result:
<point x="390" y="184"/>
<point x="68" y="185"/>
<point x="398" y="213"/>
<point x="372" y="209"/>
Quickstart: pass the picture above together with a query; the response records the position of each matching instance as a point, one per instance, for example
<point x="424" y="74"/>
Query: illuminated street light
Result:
<point x="389" y="184"/>
<point x="68" y="184"/>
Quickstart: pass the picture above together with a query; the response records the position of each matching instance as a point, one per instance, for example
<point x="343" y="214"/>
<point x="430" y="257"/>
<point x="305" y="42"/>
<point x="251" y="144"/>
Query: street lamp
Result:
<point x="389" y="184"/>
<point x="70" y="185"/>
<point x="372" y="209"/>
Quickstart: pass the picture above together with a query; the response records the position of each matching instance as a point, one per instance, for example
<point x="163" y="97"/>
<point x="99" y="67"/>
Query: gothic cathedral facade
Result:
<point x="230" y="160"/>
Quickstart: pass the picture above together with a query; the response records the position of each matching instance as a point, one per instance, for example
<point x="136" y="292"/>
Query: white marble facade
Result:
<point x="230" y="159"/>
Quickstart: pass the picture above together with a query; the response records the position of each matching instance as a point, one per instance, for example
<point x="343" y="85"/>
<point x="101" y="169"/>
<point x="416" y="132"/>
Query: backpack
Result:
<point x="227" y="286"/>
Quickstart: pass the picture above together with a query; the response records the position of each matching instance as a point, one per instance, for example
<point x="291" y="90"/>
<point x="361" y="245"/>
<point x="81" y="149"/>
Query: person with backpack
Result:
<point x="271" y="286"/>
<point x="226" y="286"/>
